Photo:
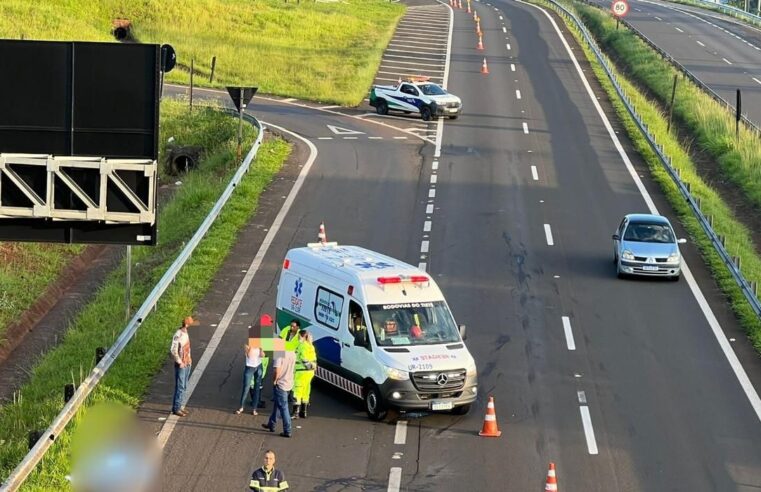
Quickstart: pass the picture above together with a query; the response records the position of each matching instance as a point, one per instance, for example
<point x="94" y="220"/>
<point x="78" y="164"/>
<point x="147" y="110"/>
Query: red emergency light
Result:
<point x="286" y="264"/>
<point x="419" y="278"/>
<point x="389" y="280"/>
<point x="399" y="279"/>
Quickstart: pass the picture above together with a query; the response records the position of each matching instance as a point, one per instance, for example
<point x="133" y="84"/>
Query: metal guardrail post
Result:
<point x="43" y="443"/>
<point x="717" y="242"/>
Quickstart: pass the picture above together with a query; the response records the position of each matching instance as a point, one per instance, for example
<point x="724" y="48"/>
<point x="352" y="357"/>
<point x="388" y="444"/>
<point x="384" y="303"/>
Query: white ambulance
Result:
<point x="383" y="331"/>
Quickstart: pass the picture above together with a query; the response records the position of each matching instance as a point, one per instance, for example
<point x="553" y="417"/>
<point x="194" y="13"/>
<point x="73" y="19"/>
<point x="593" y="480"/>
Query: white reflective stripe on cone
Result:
<point x="490" y="418"/>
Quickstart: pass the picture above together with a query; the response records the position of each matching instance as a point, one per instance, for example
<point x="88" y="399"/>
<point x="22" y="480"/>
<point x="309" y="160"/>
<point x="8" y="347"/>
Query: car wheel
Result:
<point x="425" y="113"/>
<point x="619" y="273"/>
<point x="461" y="410"/>
<point x="381" y="107"/>
<point x="454" y="117"/>
<point x="675" y="278"/>
<point x="374" y="404"/>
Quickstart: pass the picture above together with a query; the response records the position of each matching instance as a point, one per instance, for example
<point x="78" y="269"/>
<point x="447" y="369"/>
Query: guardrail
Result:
<point x="748" y="123"/>
<point x="729" y="10"/>
<point x="47" y="439"/>
<point x="683" y="187"/>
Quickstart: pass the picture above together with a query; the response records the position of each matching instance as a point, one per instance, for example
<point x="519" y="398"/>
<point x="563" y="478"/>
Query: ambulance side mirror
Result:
<point x="462" y="332"/>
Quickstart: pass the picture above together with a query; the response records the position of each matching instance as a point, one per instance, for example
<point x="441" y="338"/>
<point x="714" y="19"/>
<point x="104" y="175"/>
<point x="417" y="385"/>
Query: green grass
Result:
<point x="101" y="321"/>
<point x="739" y="241"/>
<point x="26" y="269"/>
<point x="311" y="50"/>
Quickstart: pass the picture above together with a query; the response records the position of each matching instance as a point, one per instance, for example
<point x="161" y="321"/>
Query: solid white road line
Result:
<point x="701" y="44"/>
<point x="424" y="246"/>
<point x="534" y="173"/>
<point x="737" y="368"/>
<point x="548" y="233"/>
<point x="219" y="332"/>
<point x="329" y="107"/>
<point x="517" y="93"/>
<point x="525" y="127"/>
<point x="394" y="479"/>
<point x="400" y="437"/>
<point x="512" y="67"/>
<point x="429" y="208"/>
<point x="727" y="61"/>
<point x="427" y="226"/>
<point x="568" y="333"/>
<point x="589" y="431"/>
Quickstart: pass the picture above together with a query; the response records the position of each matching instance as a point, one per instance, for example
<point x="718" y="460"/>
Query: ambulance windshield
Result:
<point x="413" y="323"/>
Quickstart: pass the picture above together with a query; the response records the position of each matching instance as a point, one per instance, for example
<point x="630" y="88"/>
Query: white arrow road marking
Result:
<point x="343" y="131"/>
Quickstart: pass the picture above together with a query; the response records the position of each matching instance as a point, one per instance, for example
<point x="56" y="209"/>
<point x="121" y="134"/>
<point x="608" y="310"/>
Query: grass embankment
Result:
<point x="26" y="269"/>
<point x="709" y="120"/>
<point x="311" y="50"/>
<point x="102" y="320"/>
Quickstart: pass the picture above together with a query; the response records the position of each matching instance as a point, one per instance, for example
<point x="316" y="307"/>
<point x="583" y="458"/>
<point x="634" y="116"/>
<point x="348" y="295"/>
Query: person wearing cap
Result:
<point x="268" y="478"/>
<point x="180" y="350"/>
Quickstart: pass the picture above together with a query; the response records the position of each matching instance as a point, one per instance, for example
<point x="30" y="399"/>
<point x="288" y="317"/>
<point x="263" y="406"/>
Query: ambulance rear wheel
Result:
<point x="381" y="107"/>
<point x="374" y="404"/>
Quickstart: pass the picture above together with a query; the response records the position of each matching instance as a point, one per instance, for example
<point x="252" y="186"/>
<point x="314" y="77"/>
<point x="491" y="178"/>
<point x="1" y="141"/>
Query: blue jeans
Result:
<point x="252" y="381"/>
<point x="181" y="376"/>
<point x="281" y="405"/>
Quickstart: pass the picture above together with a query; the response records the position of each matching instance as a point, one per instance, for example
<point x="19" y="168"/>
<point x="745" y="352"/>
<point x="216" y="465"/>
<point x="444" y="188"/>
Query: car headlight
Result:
<point x="673" y="258"/>
<point x="627" y="255"/>
<point x="396" y="374"/>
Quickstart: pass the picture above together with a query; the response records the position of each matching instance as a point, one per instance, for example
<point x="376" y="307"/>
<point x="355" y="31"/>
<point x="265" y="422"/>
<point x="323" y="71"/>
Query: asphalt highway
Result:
<point x="722" y="52"/>
<point x="621" y="383"/>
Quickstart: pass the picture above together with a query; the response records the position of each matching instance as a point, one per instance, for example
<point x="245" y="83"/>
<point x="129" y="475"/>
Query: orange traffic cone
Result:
<point x="490" y="428"/>
<point x="475" y="16"/>
<point x="478" y="27"/>
<point x="484" y="68"/>
<point x="552" y="481"/>
<point x="468" y="11"/>
<point x="321" y="235"/>
<point x="459" y="4"/>
<point x="480" y="45"/>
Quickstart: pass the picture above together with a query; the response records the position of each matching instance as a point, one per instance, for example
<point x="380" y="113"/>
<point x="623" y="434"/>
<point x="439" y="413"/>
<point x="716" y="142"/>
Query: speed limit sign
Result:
<point x="620" y="8"/>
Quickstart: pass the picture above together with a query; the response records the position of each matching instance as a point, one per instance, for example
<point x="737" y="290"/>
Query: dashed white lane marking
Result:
<point x="638" y="10"/>
<point x="512" y="67"/>
<point x="431" y="193"/>
<point x="658" y="18"/>
<point x="756" y="80"/>
<point x="582" y="396"/>
<point x="424" y="247"/>
<point x="701" y="44"/>
<point x="678" y="29"/>
<point x="324" y="138"/>
<point x="534" y="173"/>
<point x="568" y="333"/>
<point x="394" y="479"/>
<point x="434" y="178"/>
<point x="354" y="138"/>
<point x="422" y="265"/>
<point x="400" y="138"/>
<point x="517" y="93"/>
<point x="504" y="29"/>
<point x="525" y="127"/>
<point x="727" y="61"/>
<point x="435" y="165"/>
<point x="500" y="17"/>
<point x="375" y="138"/>
<point x="589" y="431"/>
<point x="508" y="46"/>
<point x="548" y="233"/>
<point x="400" y="437"/>
<point x="713" y="323"/>
<point x="429" y="208"/>
<point x="427" y="226"/>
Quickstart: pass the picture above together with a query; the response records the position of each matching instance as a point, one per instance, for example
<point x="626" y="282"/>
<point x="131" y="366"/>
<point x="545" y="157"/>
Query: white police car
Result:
<point x="415" y="95"/>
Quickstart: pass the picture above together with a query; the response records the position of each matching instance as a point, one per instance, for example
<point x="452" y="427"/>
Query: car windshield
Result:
<point x="413" y="323"/>
<point x="431" y="90"/>
<point x="649" y="233"/>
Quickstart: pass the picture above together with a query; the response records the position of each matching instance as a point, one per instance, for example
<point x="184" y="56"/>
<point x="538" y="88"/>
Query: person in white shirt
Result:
<point x="180" y="350"/>
<point x="252" y="377"/>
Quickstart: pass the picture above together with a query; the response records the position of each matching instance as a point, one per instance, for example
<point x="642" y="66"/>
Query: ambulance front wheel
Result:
<point x="374" y="404"/>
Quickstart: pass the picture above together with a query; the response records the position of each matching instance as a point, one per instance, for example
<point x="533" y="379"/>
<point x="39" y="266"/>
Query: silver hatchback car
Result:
<point x="645" y="244"/>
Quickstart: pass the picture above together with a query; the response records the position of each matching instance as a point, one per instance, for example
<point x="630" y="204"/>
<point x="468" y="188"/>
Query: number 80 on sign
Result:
<point x="620" y="8"/>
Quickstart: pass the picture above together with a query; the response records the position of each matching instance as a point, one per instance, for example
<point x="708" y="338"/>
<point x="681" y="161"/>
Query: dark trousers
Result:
<point x="281" y="405"/>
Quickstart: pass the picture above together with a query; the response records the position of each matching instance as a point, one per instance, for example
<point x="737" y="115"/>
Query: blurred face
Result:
<point x="294" y="327"/>
<point x="269" y="460"/>
<point x="391" y="326"/>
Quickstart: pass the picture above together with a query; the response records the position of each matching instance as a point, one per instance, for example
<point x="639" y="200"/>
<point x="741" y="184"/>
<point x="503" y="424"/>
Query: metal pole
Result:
<point x="738" y="115"/>
<point x="213" y="65"/>
<point x="191" y="84"/>
<point x="240" y="122"/>
<point x="128" y="285"/>
<point x="671" y="107"/>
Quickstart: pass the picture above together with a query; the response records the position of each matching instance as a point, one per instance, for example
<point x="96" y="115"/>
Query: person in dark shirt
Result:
<point x="268" y="478"/>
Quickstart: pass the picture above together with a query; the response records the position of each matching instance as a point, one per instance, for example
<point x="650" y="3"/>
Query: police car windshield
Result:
<point x="413" y="323"/>
<point x="431" y="90"/>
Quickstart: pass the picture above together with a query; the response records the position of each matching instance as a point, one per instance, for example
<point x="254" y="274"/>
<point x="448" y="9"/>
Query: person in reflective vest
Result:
<point x="306" y="363"/>
<point x="268" y="478"/>
<point x="291" y="335"/>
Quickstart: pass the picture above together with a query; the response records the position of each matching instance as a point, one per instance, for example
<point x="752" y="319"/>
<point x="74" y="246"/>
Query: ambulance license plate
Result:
<point x="442" y="405"/>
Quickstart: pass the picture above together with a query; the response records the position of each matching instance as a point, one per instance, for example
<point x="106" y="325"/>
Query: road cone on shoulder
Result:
<point x="490" y="428"/>
<point x="475" y="16"/>
<point x="552" y="481"/>
<point x="478" y="27"/>
<point x="321" y="235"/>
<point x="484" y="68"/>
<point x="480" y="45"/>
<point x="459" y="4"/>
<point x="468" y="11"/>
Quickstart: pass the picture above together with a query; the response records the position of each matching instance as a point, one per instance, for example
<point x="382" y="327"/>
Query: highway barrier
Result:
<point x="727" y="9"/>
<point x="48" y="437"/>
<point x="684" y="188"/>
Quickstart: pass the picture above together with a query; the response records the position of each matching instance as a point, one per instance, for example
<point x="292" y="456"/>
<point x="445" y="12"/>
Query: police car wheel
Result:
<point x="381" y="107"/>
<point x="461" y="410"/>
<point x="425" y="113"/>
<point x="374" y="405"/>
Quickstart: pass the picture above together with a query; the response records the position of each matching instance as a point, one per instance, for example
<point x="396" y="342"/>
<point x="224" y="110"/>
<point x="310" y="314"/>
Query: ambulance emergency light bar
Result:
<point x="399" y="279"/>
